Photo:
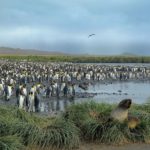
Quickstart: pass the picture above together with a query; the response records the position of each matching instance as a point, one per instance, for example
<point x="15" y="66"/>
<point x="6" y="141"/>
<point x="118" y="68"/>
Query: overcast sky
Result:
<point x="64" y="25"/>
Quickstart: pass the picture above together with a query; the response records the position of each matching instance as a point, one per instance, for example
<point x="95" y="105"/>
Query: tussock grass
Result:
<point x="38" y="131"/>
<point x="79" y="113"/>
<point x="95" y="125"/>
<point x="60" y="134"/>
<point x="11" y="143"/>
<point x="78" y="59"/>
<point x="88" y="121"/>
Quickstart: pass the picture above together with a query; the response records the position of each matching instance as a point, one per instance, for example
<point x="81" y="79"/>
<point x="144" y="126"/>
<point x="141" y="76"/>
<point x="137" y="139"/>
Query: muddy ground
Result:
<point x="93" y="146"/>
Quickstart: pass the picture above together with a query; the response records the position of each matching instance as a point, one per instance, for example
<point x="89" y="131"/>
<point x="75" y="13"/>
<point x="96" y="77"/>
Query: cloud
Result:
<point x="65" y="25"/>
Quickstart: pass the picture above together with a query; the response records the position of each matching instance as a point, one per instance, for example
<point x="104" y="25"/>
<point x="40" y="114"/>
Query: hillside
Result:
<point x="18" y="51"/>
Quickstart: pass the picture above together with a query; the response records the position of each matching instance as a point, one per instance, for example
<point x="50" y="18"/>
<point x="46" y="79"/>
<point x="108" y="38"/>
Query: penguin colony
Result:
<point x="28" y="81"/>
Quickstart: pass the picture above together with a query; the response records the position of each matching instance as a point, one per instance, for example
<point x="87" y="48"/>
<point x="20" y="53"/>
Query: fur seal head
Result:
<point x="125" y="104"/>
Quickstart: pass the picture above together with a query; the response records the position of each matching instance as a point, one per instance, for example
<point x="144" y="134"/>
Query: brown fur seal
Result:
<point x="133" y="122"/>
<point x="121" y="112"/>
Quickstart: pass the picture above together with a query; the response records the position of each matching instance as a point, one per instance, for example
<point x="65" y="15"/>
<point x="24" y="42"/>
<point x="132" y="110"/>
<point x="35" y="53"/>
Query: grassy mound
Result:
<point x="11" y="143"/>
<point x="87" y="121"/>
<point x="36" y="131"/>
<point x="94" y="123"/>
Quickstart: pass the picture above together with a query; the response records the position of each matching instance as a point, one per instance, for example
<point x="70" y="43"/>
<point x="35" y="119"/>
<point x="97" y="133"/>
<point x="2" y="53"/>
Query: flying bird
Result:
<point x="91" y="35"/>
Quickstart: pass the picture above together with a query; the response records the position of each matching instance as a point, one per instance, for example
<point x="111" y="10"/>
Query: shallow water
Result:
<point x="139" y="92"/>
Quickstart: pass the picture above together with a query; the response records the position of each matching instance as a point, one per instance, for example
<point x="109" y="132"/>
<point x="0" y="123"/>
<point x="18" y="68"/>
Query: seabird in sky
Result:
<point x="91" y="35"/>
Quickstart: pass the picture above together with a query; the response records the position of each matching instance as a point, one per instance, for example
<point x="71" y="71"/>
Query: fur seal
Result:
<point x="121" y="112"/>
<point x="133" y="122"/>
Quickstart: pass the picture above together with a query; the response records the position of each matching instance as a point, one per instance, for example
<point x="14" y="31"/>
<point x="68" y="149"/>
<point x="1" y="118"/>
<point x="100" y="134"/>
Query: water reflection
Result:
<point x="110" y="93"/>
<point x="137" y="91"/>
<point x="55" y="105"/>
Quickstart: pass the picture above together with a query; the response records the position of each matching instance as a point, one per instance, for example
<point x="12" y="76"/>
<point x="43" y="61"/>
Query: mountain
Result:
<point x="18" y="51"/>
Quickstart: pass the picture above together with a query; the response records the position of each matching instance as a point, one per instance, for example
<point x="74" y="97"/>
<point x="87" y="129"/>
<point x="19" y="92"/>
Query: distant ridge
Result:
<point x="129" y="54"/>
<point x="18" y="51"/>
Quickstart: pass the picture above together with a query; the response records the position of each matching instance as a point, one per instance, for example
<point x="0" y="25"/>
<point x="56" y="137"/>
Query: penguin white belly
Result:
<point x="31" y="103"/>
<point x="21" y="101"/>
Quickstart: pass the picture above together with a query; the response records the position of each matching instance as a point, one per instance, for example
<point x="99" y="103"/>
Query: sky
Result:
<point x="120" y="26"/>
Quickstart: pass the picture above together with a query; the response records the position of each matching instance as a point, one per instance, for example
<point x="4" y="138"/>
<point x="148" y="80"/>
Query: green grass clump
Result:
<point x="35" y="130"/>
<point x="95" y="124"/>
<point x="79" y="113"/>
<point x="59" y="134"/>
<point x="11" y="143"/>
<point x="88" y="121"/>
<point x="78" y="59"/>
